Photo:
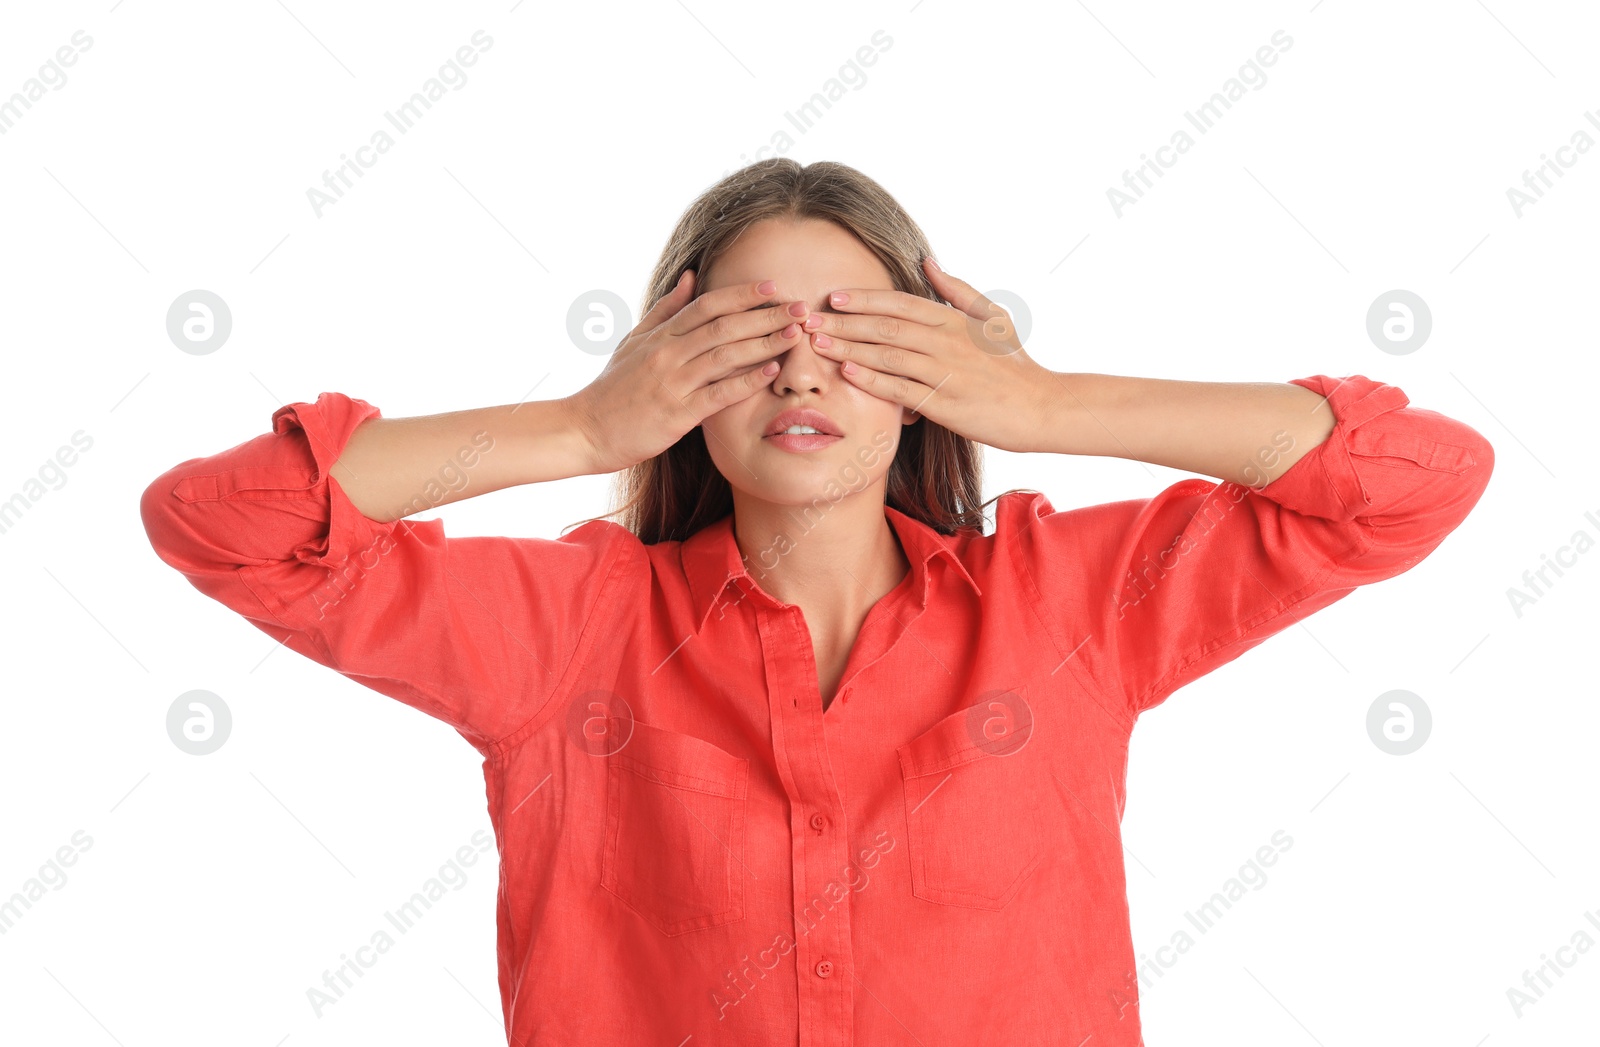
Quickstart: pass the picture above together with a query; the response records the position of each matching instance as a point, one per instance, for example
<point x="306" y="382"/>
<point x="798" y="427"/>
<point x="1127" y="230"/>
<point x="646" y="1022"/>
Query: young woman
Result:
<point x="798" y="753"/>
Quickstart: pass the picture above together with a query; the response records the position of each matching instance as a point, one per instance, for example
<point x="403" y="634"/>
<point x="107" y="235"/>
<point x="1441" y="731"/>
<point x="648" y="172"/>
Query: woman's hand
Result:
<point x="962" y="367"/>
<point x="685" y="361"/>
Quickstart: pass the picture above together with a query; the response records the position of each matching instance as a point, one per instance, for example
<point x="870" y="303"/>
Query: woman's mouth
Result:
<point x="802" y="438"/>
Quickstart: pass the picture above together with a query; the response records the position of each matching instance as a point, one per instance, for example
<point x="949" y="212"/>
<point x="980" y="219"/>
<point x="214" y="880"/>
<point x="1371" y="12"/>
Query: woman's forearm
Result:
<point x="393" y="467"/>
<point x="1246" y="432"/>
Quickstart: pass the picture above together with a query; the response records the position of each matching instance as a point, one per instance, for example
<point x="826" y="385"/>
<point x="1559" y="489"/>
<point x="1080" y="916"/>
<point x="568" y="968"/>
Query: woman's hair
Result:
<point x="935" y="476"/>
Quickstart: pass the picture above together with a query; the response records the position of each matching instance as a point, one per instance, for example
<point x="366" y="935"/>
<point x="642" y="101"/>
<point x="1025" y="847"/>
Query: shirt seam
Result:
<point x="1055" y="629"/>
<point x="501" y="747"/>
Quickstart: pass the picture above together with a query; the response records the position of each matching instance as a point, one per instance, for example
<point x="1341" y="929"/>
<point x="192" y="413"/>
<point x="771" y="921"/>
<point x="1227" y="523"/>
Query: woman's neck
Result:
<point x="833" y="559"/>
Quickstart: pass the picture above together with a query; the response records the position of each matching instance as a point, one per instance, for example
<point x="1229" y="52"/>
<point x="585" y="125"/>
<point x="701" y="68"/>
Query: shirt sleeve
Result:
<point x="1147" y="595"/>
<point x="476" y="631"/>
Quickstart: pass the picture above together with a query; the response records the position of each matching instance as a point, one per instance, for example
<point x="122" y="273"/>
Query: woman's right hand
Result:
<point x="685" y="361"/>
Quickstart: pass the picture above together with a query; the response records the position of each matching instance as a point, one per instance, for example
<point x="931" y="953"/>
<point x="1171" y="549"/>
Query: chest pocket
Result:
<point x="971" y="814"/>
<point x="675" y="826"/>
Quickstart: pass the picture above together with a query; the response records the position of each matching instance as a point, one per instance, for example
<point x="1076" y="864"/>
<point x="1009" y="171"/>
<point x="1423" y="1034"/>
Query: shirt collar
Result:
<point x="712" y="561"/>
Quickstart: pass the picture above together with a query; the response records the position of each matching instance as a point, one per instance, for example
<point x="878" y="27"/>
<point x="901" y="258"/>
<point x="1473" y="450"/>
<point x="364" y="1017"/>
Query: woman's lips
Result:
<point x="802" y="441"/>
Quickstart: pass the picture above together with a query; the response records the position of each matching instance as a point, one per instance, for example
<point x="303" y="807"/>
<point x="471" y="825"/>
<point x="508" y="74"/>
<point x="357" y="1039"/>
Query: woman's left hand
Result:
<point x="962" y="367"/>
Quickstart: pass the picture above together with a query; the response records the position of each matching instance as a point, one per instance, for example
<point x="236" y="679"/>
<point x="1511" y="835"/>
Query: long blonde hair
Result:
<point x="936" y="475"/>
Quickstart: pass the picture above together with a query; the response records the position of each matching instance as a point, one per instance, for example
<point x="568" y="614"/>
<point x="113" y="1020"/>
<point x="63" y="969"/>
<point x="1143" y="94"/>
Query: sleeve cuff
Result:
<point x="327" y="425"/>
<point x="1324" y="482"/>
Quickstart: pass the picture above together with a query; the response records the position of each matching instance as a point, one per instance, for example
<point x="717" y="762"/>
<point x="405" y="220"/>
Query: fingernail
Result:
<point x="791" y="330"/>
<point x="797" y="309"/>
<point x="771" y="368"/>
<point x="838" y="298"/>
<point x="823" y="340"/>
<point x="767" y="286"/>
<point x="848" y="367"/>
<point x="935" y="263"/>
<point x="813" y="322"/>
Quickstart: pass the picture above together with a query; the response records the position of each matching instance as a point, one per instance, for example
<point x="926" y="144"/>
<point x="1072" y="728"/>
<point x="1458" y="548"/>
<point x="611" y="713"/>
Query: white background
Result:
<point x="1377" y="155"/>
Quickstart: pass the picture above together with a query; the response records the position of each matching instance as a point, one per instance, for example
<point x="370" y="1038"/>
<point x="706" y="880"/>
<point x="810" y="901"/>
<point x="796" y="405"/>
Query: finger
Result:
<point x="681" y="294"/>
<point x="892" y="387"/>
<point x="885" y="302"/>
<point x="734" y="298"/>
<point x="885" y="359"/>
<point x="707" y="401"/>
<point x="720" y="346"/>
<point x="881" y="329"/>
<point x="724" y="358"/>
<point x="959" y="293"/>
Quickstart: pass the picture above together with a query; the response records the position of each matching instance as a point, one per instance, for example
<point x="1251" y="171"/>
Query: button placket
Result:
<point x="820" y="897"/>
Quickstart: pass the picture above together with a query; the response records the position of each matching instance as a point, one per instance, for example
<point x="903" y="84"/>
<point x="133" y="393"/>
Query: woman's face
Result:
<point x="809" y="259"/>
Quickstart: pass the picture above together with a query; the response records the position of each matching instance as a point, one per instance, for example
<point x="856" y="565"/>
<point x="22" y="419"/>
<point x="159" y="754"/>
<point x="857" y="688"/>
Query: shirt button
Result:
<point x="824" y="968"/>
<point x="818" y="822"/>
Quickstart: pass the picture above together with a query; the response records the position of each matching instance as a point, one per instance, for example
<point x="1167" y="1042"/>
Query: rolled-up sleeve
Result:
<point x="476" y="631"/>
<point x="1150" y="594"/>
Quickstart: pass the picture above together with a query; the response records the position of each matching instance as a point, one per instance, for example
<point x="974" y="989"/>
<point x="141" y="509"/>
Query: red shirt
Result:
<point x="690" y="845"/>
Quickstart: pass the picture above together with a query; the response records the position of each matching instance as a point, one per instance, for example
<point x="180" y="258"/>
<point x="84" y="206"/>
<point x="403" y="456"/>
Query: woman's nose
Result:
<point x="802" y="367"/>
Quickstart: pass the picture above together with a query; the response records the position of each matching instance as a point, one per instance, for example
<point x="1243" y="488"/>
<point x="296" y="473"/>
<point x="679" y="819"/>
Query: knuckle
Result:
<point x="893" y="358"/>
<point x="687" y="318"/>
<point x="721" y="355"/>
<point x="718" y="329"/>
<point x="888" y="327"/>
